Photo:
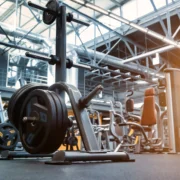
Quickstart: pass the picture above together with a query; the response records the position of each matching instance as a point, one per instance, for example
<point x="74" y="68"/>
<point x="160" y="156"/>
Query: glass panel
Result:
<point x="129" y="10"/>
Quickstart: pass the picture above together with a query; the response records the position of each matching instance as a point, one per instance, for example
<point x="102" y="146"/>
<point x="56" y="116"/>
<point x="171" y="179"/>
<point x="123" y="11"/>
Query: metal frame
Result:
<point x="136" y="51"/>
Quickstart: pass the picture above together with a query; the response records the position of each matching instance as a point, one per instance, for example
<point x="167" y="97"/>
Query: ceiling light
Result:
<point x="154" y="34"/>
<point x="127" y="79"/>
<point x="138" y="76"/>
<point x="170" y="41"/>
<point x="139" y="27"/>
<point x="156" y="60"/>
<point x="154" y="79"/>
<point x="141" y="82"/>
<point x="97" y="100"/>
<point x="118" y="76"/>
<point x="106" y="119"/>
<point x="79" y="1"/>
<point x="92" y="6"/>
<point x="118" y="18"/>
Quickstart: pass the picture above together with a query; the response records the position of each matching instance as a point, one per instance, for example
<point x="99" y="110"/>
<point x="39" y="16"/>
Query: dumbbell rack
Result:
<point x="93" y="151"/>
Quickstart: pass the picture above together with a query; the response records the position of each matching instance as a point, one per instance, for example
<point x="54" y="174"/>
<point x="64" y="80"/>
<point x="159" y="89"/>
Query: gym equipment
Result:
<point x="51" y="13"/>
<point x="66" y="156"/>
<point x="124" y="140"/>
<point x="129" y="103"/>
<point x="164" y="120"/>
<point x="71" y="140"/>
<point x="129" y="108"/>
<point x="52" y="6"/>
<point x="151" y="122"/>
<point x="17" y="99"/>
<point x="162" y="93"/>
<point x="43" y="118"/>
<point x="101" y="131"/>
<point x="16" y="154"/>
<point x="152" y="141"/>
<point x="8" y="136"/>
<point x="162" y="99"/>
<point x="52" y="60"/>
<point x="173" y="103"/>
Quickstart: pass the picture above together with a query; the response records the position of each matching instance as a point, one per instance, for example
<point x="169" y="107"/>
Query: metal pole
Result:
<point x="141" y="56"/>
<point x="16" y="16"/>
<point x="61" y="46"/>
<point x="109" y="51"/>
<point x="21" y="47"/>
<point x="103" y="25"/>
<point x="129" y="23"/>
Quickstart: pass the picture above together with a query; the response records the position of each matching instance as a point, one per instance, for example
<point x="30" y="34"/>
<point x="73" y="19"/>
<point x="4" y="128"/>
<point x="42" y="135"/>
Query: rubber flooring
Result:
<point x="146" y="167"/>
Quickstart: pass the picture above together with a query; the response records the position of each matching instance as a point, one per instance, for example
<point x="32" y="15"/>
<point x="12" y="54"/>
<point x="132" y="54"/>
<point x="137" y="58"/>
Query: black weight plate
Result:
<point x="49" y="18"/>
<point x="16" y="101"/>
<point x="66" y="121"/>
<point x="37" y="136"/>
<point x="61" y="119"/>
<point x="13" y="98"/>
<point x="8" y="136"/>
<point x="52" y="143"/>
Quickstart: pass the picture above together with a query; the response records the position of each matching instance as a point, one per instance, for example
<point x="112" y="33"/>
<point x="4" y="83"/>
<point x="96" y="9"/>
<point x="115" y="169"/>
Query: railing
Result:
<point x="3" y="77"/>
<point x="35" y="78"/>
<point x="29" y="78"/>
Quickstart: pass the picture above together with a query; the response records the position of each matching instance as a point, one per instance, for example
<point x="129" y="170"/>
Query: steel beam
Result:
<point x="114" y="61"/>
<point x="160" y="20"/>
<point x="132" y="24"/>
<point x="101" y="24"/>
<point x="145" y="21"/>
<point x="11" y="45"/>
<point x="18" y="32"/>
<point x="141" y="56"/>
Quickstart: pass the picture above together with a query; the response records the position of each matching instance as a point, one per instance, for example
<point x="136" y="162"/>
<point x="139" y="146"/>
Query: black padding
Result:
<point x="130" y="105"/>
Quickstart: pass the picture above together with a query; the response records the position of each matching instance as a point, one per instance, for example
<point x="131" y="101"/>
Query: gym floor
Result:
<point x="146" y="167"/>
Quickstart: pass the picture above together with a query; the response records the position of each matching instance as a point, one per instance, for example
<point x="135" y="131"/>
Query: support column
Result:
<point x="61" y="46"/>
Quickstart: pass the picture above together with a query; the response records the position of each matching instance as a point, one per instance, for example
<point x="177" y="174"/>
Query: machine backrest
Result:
<point x="129" y="105"/>
<point x="115" y="130"/>
<point x="149" y="116"/>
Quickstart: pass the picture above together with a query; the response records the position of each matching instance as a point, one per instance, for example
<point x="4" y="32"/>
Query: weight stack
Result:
<point x="173" y="108"/>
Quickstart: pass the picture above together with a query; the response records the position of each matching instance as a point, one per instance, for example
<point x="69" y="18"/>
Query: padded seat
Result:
<point x="149" y="114"/>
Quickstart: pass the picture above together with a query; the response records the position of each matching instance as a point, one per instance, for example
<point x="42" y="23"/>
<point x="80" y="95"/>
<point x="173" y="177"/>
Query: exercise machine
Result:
<point x="148" y="138"/>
